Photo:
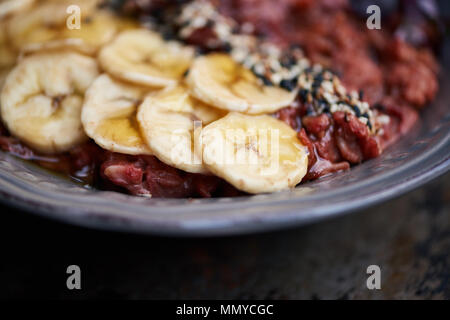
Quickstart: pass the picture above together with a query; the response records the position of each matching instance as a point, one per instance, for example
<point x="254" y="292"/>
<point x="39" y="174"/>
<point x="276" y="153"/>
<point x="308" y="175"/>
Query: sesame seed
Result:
<point x="357" y="111"/>
<point x="289" y="85"/>
<point x="363" y="120"/>
<point x="383" y="119"/>
<point x="361" y="94"/>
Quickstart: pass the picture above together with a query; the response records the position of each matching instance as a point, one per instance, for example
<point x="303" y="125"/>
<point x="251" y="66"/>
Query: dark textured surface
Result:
<point x="409" y="238"/>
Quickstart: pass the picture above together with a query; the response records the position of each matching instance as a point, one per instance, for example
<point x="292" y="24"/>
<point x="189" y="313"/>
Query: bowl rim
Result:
<point x="109" y="212"/>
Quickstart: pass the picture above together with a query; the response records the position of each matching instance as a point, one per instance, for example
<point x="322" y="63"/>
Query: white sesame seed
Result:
<point x="248" y="27"/>
<point x="383" y="119"/>
<point x="259" y="68"/>
<point x="328" y="86"/>
<point x="363" y="120"/>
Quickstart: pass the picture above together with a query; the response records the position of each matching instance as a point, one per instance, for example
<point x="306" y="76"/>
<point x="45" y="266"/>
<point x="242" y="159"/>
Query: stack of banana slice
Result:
<point x="134" y="93"/>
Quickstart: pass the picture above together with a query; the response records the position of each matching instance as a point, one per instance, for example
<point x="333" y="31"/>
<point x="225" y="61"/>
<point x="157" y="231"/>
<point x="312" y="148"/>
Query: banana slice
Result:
<point x="167" y="124"/>
<point x="95" y="31"/>
<point x="45" y="21"/>
<point x="256" y="154"/>
<point x="3" y="74"/>
<point x="8" y="7"/>
<point x="7" y="54"/>
<point x="142" y="56"/>
<point x="42" y="98"/>
<point x="109" y="115"/>
<point x="218" y="80"/>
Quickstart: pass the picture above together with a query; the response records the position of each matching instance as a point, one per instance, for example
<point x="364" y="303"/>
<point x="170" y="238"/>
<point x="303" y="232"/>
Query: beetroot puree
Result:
<point x="391" y="75"/>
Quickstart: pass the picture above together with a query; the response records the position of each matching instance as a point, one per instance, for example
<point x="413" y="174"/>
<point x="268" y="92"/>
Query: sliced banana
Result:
<point x="45" y="21"/>
<point x="167" y="121"/>
<point x="7" y="54"/>
<point x="109" y="115"/>
<point x="95" y="32"/>
<point x="142" y="56"/>
<point x="256" y="154"/>
<point x="42" y="98"/>
<point x="8" y="7"/>
<point x="3" y="74"/>
<point x="218" y="80"/>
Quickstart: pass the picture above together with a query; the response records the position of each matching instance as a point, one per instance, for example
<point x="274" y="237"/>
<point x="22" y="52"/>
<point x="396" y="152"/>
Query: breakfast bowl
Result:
<point x="415" y="158"/>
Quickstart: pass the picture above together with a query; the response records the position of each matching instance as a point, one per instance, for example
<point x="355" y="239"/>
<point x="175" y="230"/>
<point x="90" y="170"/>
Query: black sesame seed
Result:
<point x="315" y="93"/>
<point x="116" y="4"/>
<point x="266" y="81"/>
<point x="365" y="115"/>
<point x="357" y="111"/>
<point x="303" y="94"/>
<point x="379" y="106"/>
<point x="324" y="106"/>
<point x="318" y="78"/>
<point x="308" y="70"/>
<point x="361" y="94"/>
<point x="186" y="73"/>
<point x="316" y="85"/>
<point x="158" y="13"/>
<point x="227" y="47"/>
<point x="289" y="85"/>
<point x="168" y="34"/>
<point x="200" y="51"/>
<point x="316" y="81"/>
<point x="288" y="61"/>
<point x="256" y="73"/>
<point x="185" y="24"/>
<point x="309" y="109"/>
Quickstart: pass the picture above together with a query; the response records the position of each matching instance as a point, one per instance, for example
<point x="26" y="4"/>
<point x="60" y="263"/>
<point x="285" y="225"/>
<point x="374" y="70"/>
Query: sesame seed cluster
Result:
<point x="323" y="92"/>
<point x="289" y="69"/>
<point x="203" y="14"/>
<point x="269" y="63"/>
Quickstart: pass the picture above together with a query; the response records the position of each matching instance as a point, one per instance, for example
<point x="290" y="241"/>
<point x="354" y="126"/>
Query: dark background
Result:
<point x="409" y="238"/>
